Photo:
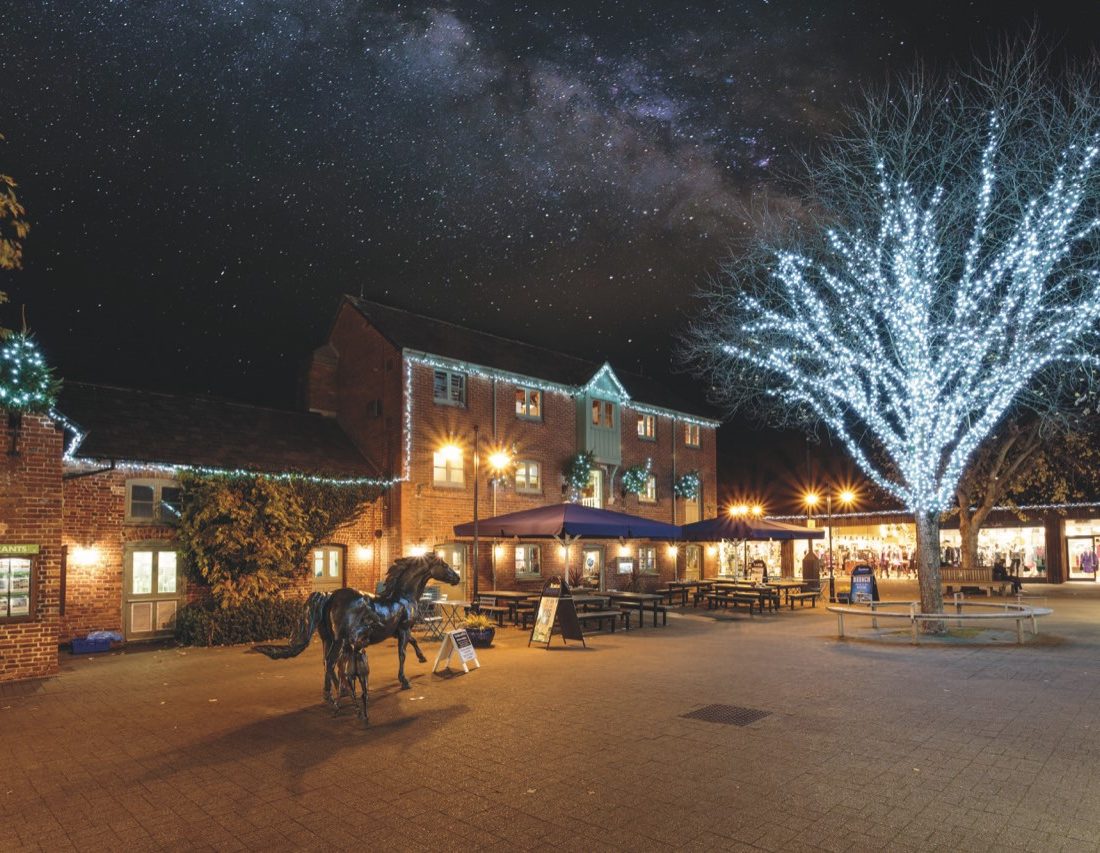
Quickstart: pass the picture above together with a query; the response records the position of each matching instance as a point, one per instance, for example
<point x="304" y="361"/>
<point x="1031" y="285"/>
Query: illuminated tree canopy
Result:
<point x="945" y="272"/>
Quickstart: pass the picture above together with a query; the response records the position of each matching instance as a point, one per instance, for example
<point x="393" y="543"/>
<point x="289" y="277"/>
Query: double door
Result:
<point x="152" y="592"/>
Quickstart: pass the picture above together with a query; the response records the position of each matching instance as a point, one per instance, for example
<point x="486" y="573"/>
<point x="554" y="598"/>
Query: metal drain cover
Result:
<point x="730" y="715"/>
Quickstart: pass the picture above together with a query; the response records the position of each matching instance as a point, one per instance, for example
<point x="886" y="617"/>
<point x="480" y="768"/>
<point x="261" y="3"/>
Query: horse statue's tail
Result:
<point x="303" y="631"/>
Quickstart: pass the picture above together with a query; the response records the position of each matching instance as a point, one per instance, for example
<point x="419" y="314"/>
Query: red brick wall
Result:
<point x="30" y="513"/>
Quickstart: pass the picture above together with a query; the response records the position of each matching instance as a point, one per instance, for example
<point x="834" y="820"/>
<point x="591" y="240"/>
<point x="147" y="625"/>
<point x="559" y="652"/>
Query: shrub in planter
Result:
<point x="481" y="630"/>
<point x="205" y="624"/>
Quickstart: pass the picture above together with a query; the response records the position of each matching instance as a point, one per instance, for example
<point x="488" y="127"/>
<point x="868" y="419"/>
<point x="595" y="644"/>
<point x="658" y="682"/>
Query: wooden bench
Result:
<point x="488" y="604"/>
<point x="601" y="616"/>
<point x="671" y="594"/>
<point x="727" y="598"/>
<point x="977" y="578"/>
<point x="813" y="596"/>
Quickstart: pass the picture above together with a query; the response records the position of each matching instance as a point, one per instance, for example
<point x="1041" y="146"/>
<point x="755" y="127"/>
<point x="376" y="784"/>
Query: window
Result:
<point x="528" y="560"/>
<point x="603" y="414"/>
<point x="328" y="568"/>
<point x="647" y="560"/>
<point x="691" y="435"/>
<point x="16" y="587"/>
<point x="527" y="476"/>
<point x="647" y="427"/>
<point x="529" y="404"/>
<point x="649" y="493"/>
<point x="447" y="468"/>
<point x="152" y="501"/>
<point x="449" y="388"/>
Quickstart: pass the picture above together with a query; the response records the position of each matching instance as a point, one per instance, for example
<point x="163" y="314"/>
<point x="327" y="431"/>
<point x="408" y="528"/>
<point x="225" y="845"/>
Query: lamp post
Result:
<point x="845" y="498"/>
<point x="498" y="460"/>
<point x="477" y="453"/>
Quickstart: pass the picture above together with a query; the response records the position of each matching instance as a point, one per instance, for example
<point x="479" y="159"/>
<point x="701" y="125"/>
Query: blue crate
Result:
<point x="82" y="646"/>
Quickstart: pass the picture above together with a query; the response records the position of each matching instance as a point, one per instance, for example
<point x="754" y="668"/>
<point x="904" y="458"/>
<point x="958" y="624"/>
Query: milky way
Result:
<point x="206" y="177"/>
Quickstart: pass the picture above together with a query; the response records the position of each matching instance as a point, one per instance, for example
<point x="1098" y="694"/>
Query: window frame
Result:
<point x="603" y="413"/>
<point x="647" y="427"/>
<point x="528" y="548"/>
<point x="651" y="551"/>
<point x="525" y="465"/>
<point x="158" y="485"/>
<point x="693" y="435"/>
<point x="448" y="466"/>
<point x="528" y="393"/>
<point x="648" y="495"/>
<point x="450" y="376"/>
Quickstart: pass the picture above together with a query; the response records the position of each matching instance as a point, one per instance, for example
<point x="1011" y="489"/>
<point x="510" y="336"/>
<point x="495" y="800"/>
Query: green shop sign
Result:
<point x="8" y="550"/>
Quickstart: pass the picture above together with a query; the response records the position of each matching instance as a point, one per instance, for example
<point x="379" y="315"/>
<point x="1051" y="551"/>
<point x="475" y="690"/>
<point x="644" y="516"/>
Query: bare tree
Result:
<point x="946" y="272"/>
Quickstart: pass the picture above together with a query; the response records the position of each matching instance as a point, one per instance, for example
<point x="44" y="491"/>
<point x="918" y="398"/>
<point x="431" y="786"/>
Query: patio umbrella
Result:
<point x="569" y="519"/>
<point x="742" y="528"/>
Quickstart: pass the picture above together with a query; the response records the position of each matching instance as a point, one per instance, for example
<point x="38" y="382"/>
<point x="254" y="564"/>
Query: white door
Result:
<point x="152" y="594"/>
<point x="328" y="568"/>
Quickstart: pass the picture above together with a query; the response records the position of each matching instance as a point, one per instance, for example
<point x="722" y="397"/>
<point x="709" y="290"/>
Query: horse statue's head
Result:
<point x="411" y="574"/>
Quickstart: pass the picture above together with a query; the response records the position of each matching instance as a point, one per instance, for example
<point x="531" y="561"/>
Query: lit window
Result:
<point x="603" y="414"/>
<point x="647" y="559"/>
<point x="691" y="435"/>
<point x="528" y="560"/>
<point x="529" y="404"/>
<point x="152" y="501"/>
<point x="447" y="468"/>
<point x="649" y="492"/>
<point x="527" y="476"/>
<point x="647" y="427"/>
<point x="449" y="388"/>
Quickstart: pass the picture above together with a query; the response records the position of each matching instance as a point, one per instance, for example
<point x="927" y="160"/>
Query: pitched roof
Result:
<point x="172" y="429"/>
<point x="407" y="330"/>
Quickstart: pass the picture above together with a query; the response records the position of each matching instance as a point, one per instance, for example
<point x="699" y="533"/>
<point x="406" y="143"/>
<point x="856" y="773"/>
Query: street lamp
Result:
<point x="499" y="460"/>
<point x="845" y="497"/>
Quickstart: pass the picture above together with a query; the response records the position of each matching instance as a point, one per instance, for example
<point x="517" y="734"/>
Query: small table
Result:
<point x="786" y="587"/>
<point x="639" y="600"/>
<point x="452" y="614"/>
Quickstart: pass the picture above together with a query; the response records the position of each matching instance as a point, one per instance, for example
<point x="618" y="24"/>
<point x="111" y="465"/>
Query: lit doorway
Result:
<point x="592" y="560"/>
<point x="454" y="555"/>
<point x="693" y="563"/>
<point x="328" y="568"/>
<point x="153" y="590"/>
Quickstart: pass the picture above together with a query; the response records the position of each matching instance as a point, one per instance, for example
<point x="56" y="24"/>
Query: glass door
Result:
<point x="153" y="592"/>
<point x="592" y="563"/>
<point x="328" y="568"/>
<point x="693" y="563"/>
<point x="454" y="555"/>
<point x="1082" y="557"/>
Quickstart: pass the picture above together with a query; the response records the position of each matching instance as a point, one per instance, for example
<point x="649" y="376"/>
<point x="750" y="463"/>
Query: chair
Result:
<point x="428" y="620"/>
<point x="488" y="604"/>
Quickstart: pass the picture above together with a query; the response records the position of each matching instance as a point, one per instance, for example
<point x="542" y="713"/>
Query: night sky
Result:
<point x="204" y="178"/>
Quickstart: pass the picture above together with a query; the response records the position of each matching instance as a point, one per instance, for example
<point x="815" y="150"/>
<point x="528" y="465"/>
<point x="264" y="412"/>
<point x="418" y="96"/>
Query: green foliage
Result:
<point x="245" y="535"/>
<point x="578" y="468"/>
<point x="204" y="624"/>
<point x="635" y="478"/>
<point x="27" y="383"/>
<point x="479" y="622"/>
<point x="14" y="229"/>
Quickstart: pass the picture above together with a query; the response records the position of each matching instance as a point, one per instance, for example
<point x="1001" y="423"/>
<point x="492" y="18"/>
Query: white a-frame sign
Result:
<point x="457" y="641"/>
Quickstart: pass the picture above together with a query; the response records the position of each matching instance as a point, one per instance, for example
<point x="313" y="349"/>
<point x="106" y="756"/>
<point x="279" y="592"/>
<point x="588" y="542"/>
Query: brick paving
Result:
<point x="868" y="746"/>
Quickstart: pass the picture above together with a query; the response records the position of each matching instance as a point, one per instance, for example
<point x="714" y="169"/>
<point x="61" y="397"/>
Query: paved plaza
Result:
<point x="865" y="746"/>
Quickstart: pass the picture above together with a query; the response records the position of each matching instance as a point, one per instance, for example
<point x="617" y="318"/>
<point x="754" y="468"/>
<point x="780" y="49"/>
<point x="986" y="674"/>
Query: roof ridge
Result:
<point x="179" y="395"/>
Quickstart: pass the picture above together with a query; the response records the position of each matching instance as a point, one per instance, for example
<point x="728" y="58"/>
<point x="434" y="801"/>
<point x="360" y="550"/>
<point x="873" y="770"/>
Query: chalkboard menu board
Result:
<point x="556" y="609"/>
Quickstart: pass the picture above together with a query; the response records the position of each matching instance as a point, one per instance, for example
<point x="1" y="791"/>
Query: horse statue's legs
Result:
<point x="416" y="646"/>
<point x="361" y="671"/>
<point x="334" y="658"/>
<point x="403" y="637"/>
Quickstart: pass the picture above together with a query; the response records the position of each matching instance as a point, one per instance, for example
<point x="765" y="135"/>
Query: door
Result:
<point x="592" y="494"/>
<point x="454" y="555"/>
<point x="152" y="593"/>
<point x="1083" y="558"/>
<point x="592" y="564"/>
<point x="693" y="563"/>
<point x="328" y="568"/>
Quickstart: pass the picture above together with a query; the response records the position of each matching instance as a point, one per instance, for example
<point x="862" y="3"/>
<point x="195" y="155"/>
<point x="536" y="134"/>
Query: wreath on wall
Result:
<point x="578" y="469"/>
<point x="687" y="486"/>
<point x="635" y="478"/>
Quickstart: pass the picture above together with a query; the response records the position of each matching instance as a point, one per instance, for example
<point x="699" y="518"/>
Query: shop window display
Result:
<point x="1083" y="549"/>
<point x="735" y="557"/>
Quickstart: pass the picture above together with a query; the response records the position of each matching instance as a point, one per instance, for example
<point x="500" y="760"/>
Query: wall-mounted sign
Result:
<point x="20" y="550"/>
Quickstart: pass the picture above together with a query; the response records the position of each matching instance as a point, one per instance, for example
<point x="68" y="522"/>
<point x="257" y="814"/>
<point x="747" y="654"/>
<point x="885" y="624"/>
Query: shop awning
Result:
<point x="740" y="528"/>
<point x="569" y="519"/>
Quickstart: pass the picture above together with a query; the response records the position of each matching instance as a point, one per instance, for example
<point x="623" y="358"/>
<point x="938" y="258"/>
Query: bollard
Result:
<point x="840" y="624"/>
<point x="913" y="621"/>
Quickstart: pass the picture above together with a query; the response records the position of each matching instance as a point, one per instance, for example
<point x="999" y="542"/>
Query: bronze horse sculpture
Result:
<point x="349" y="621"/>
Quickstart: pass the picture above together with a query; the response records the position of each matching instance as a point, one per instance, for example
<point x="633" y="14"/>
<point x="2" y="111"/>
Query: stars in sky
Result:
<point x="206" y="178"/>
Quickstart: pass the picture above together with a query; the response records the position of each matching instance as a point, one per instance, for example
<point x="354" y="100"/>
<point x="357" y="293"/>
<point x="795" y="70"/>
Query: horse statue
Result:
<point x="349" y="621"/>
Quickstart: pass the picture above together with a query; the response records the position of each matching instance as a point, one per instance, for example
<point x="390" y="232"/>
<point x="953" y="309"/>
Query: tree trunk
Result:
<point x="968" y="534"/>
<point x="928" y="568"/>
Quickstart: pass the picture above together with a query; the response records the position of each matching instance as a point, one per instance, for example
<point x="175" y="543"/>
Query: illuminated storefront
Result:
<point x="1082" y="549"/>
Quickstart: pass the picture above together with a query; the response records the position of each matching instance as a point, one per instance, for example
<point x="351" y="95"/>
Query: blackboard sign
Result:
<point x="556" y="608"/>
<point x="864" y="588"/>
<point x="457" y="641"/>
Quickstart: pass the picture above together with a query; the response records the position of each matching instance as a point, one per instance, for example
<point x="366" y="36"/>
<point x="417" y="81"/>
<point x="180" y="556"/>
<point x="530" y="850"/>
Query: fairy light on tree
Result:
<point x="946" y="274"/>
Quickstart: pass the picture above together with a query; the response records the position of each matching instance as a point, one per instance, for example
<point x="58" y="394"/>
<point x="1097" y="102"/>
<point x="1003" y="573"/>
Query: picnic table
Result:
<point x="639" y="600"/>
<point x="684" y="586"/>
<point x="786" y="586"/>
<point x="768" y="595"/>
<point x="586" y="599"/>
<point x="511" y="598"/>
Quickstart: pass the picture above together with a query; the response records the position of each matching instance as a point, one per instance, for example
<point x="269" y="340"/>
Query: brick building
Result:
<point x="412" y="392"/>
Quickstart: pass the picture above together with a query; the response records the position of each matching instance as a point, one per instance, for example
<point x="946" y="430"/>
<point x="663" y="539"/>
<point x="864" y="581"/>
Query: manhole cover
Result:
<point x="730" y="715"/>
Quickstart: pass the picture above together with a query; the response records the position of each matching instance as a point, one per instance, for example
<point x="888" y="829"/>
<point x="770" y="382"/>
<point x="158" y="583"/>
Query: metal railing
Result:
<point x="1017" y="611"/>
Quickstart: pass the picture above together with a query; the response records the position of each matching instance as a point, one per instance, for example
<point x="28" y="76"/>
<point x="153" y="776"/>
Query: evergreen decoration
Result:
<point x="578" y="469"/>
<point x="246" y="535"/>
<point x="687" y="485"/>
<point x="635" y="478"/>
<point x="27" y="383"/>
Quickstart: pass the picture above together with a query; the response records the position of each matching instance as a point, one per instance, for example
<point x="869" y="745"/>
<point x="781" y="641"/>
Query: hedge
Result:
<point x="203" y="624"/>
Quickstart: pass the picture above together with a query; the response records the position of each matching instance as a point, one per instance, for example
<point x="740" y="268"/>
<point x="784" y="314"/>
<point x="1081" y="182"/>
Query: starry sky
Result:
<point x="205" y="178"/>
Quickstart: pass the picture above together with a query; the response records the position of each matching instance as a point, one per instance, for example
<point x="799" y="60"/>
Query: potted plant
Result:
<point x="481" y="630"/>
